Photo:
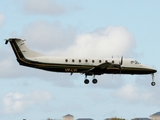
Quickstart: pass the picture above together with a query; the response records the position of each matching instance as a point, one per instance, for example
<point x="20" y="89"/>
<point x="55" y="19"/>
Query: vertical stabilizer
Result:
<point x="20" y="49"/>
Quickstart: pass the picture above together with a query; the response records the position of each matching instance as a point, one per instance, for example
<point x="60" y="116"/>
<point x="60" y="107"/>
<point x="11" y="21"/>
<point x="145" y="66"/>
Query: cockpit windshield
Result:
<point x="135" y="62"/>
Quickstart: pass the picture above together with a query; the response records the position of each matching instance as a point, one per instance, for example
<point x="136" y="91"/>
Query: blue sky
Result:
<point x="83" y="28"/>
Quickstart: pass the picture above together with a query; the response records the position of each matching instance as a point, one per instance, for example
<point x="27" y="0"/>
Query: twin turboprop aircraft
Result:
<point x="89" y="67"/>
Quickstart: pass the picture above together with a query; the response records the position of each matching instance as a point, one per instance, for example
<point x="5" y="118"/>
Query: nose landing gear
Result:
<point x="153" y="83"/>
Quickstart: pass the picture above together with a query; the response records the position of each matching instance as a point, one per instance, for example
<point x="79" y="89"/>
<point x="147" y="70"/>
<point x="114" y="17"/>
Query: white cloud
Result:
<point x="103" y="43"/>
<point x="18" y="102"/>
<point x="53" y="38"/>
<point x="48" y="7"/>
<point x="2" y="17"/>
<point x="131" y="94"/>
<point x="48" y="36"/>
<point x="139" y="90"/>
<point x="9" y="66"/>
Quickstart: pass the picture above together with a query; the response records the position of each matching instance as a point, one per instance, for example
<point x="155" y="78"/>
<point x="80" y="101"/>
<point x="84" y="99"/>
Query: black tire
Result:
<point x="153" y="83"/>
<point x="94" y="81"/>
<point x="86" y="81"/>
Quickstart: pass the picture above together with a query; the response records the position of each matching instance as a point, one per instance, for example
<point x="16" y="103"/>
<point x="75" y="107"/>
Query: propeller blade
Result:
<point x="120" y="64"/>
<point x="121" y="60"/>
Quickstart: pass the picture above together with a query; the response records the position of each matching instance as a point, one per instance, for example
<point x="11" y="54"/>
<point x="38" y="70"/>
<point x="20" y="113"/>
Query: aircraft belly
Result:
<point x="62" y="69"/>
<point x="129" y="70"/>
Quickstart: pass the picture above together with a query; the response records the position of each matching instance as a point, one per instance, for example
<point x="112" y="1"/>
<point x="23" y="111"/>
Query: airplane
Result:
<point x="86" y="66"/>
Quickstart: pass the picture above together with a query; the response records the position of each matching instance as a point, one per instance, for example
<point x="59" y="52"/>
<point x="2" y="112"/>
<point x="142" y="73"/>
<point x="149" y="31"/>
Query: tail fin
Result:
<point x="20" y="49"/>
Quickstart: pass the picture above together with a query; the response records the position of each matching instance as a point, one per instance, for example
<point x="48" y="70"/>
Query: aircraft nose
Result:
<point x="154" y="70"/>
<point x="150" y="70"/>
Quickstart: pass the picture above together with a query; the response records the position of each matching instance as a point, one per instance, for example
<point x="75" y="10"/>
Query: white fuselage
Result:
<point x="127" y="63"/>
<point x="87" y="66"/>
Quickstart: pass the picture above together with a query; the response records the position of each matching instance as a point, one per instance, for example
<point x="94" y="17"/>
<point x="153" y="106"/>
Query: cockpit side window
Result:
<point x="134" y="62"/>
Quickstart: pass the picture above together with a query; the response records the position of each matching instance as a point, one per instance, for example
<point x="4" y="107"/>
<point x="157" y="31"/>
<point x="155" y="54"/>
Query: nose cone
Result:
<point x="153" y="70"/>
<point x="149" y="70"/>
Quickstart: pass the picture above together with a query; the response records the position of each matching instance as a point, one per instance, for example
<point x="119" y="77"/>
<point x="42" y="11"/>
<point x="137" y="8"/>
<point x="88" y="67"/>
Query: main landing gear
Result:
<point x="153" y="83"/>
<point x="94" y="81"/>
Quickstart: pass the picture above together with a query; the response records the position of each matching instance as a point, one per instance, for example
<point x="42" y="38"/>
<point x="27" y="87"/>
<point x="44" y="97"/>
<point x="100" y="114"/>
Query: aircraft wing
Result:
<point x="99" y="67"/>
<point x="104" y="65"/>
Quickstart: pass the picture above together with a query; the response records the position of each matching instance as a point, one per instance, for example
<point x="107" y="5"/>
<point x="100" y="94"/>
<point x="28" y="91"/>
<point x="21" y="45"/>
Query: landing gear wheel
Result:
<point x="153" y="83"/>
<point x="94" y="81"/>
<point x="86" y="81"/>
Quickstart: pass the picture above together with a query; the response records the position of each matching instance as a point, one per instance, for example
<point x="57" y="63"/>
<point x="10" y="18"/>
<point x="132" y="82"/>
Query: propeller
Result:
<point x="120" y="64"/>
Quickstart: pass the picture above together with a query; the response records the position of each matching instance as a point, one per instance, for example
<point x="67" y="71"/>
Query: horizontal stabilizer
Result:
<point x="6" y="42"/>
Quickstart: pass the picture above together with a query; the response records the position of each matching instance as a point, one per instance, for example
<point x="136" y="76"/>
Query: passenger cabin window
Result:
<point x="72" y="60"/>
<point x="112" y="61"/>
<point x="86" y="60"/>
<point x="100" y="61"/>
<point x="79" y="60"/>
<point x="92" y="61"/>
<point x="66" y="60"/>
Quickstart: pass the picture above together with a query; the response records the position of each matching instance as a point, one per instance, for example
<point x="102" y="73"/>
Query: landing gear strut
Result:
<point x="153" y="83"/>
<point x="86" y="81"/>
<point x="94" y="81"/>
